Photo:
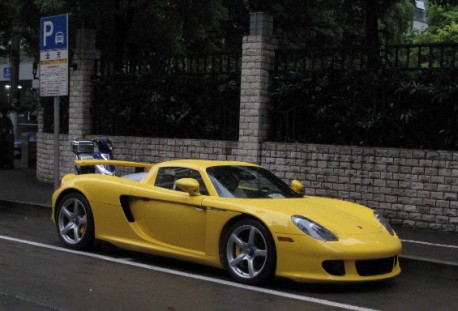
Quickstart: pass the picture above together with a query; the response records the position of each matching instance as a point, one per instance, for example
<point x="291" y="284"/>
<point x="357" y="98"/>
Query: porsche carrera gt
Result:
<point x="227" y="214"/>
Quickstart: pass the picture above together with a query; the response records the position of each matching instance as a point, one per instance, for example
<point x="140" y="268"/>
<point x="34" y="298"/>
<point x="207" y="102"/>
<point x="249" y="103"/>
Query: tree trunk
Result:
<point x="14" y="65"/>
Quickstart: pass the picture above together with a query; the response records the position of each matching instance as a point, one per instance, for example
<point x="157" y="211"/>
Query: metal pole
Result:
<point x="56" y="141"/>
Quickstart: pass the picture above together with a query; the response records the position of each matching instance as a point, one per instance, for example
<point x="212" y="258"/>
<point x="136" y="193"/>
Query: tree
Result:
<point x="135" y="29"/>
<point x="444" y="2"/>
<point x="129" y="29"/>
<point x="13" y="28"/>
<point x="385" y="17"/>
<point x="442" y="24"/>
<point x="397" y="22"/>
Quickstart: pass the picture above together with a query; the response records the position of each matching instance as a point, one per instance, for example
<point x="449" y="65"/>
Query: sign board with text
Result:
<point x="54" y="55"/>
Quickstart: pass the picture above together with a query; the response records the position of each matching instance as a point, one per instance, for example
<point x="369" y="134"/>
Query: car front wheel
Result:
<point x="248" y="252"/>
<point x="74" y="221"/>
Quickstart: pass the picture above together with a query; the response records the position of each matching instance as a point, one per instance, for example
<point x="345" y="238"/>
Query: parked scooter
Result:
<point x="97" y="149"/>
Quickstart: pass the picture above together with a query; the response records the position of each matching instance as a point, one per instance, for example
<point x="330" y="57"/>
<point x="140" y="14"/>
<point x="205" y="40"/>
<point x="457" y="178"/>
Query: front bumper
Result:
<point x="367" y="257"/>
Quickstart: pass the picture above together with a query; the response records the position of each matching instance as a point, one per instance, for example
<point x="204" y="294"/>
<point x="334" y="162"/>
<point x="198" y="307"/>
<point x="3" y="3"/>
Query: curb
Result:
<point x="429" y="266"/>
<point x="16" y="203"/>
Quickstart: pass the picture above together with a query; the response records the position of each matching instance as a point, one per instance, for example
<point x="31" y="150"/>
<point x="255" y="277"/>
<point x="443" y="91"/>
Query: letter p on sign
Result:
<point x="54" y="33"/>
<point x="48" y="29"/>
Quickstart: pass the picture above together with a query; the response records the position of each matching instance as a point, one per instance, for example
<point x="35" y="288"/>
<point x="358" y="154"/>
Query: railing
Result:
<point x="420" y="56"/>
<point x="214" y="64"/>
<point x="333" y="96"/>
<point x="320" y="59"/>
<point x="193" y="64"/>
<point x="408" y="57"/>
<point x="195" y="96"/>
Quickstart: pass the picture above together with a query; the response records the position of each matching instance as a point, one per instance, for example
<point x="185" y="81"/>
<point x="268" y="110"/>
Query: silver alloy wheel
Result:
<point x="72" y="221"/>
<point x="246" y="252"/>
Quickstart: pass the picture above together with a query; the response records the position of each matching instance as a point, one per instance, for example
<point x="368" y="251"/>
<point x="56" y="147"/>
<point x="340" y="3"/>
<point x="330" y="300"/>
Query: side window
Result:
<point x="167" y="177"/>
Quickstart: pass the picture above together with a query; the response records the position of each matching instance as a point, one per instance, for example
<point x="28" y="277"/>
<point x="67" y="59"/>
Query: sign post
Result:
<point x="54" y="71"/>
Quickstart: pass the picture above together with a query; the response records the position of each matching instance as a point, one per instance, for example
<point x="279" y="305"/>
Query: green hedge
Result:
<point x="384" y="108"/>
<point x="179" y="106"/>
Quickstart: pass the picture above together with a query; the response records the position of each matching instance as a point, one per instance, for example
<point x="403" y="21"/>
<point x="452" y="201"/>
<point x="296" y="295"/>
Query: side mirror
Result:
<point x="297" y="187"/>
<point x="189" y="185"/>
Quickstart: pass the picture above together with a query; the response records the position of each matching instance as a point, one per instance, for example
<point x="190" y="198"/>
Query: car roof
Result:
<point x="204" y="163"/>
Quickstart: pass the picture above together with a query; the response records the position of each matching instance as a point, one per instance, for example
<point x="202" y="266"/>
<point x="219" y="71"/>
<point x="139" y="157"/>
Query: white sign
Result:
<point x="56" y="77"/>
<point x="54" y="56"/>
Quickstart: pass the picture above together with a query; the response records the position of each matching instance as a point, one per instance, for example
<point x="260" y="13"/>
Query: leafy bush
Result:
<point x="178" y="106"/>
<point x="385" y="108"/>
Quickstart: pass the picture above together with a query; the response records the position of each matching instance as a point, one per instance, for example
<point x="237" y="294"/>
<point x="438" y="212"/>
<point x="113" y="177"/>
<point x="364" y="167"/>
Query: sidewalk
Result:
<point x="21" y="185"/>
<point x="438" y="250"/>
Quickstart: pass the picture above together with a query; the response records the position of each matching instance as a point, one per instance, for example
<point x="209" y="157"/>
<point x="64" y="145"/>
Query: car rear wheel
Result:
<point x="74" y="221"/>
<point x="248" y="252"/>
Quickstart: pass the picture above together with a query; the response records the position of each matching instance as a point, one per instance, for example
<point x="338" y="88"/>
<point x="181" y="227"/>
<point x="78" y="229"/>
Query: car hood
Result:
<point x="340" y="217"/>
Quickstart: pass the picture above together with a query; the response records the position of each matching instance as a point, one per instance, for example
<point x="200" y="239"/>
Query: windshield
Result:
<point x="248" y="182"/>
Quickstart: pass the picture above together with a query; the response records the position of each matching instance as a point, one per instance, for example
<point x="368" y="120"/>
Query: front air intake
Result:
<point x="334" y="267"/>
<point x="375" y="266"/>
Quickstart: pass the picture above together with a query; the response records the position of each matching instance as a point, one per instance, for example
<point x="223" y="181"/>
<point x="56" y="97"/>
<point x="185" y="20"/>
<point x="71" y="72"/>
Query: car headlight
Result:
<point x="384" y="223"/>
<point x="313" y="229"/>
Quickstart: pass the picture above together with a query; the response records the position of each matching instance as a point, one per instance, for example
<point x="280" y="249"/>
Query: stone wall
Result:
<point x="415" y="188"/>
<point x="142" y="149"/>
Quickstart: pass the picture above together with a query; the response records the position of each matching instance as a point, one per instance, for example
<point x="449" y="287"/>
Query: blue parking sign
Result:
<point x="54" y="55"/>
<point x="53" y="33"/>
<point x="6" y="73"/>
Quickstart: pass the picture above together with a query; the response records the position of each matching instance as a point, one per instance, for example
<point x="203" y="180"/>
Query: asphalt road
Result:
<point x="37" y="273"/>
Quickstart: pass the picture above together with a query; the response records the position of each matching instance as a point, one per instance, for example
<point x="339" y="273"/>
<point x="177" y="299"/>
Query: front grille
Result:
<point x="375" y="266"/>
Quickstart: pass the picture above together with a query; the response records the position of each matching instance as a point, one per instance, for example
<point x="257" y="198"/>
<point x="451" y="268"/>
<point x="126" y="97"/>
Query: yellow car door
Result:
<point x="170" y="217"/>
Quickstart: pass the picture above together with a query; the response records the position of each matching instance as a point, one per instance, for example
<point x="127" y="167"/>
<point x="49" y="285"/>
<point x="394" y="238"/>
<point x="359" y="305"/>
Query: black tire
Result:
<point x="75" y="222"/>
<point x="247" y="252"/>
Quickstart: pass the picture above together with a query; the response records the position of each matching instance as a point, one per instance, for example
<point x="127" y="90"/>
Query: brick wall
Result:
<point x="416" y="188"/>
<point x="142" y="149"/>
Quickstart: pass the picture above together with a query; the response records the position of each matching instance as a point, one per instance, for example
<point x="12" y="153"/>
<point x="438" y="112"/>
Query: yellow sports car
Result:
<point x="227" y="214"/>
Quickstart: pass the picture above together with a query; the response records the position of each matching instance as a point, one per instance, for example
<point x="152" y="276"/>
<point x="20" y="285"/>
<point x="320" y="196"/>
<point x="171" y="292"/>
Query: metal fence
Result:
<point x="421" y="56"/>
<point x="333" y="96"/>
<point x="318" y="59"/>
<point x="198" y="96"/>
<point x="194" y="96"/>
<point x="393" y="57"/>
<point x="214" y="64"/>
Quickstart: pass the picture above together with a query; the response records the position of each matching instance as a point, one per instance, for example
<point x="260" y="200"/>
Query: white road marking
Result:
<point x="27" y="300"/>
<point x="430" y="244"/>
<point x="190" y="275"/>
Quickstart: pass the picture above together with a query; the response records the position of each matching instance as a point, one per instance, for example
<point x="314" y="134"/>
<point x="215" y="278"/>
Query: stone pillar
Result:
<point x="81" y="84"/>
<point x="258" y="56"/>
